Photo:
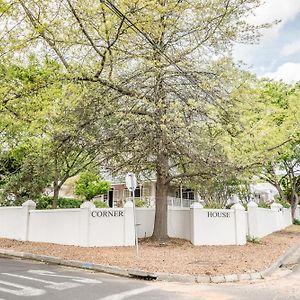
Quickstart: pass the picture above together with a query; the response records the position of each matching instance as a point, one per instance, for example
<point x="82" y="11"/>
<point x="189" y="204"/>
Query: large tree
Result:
<point x="46" y="128"/>
<point x="266" y="141"/>
<point x="282" y="168"/>
<point x="162" y="66"/>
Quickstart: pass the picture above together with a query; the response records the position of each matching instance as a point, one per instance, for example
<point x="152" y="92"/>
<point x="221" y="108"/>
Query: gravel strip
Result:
<point x="176" y="256"/>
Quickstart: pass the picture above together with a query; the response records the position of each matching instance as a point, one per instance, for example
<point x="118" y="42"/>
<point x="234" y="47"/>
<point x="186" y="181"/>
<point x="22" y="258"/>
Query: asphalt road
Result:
<point x="21" y="279"/>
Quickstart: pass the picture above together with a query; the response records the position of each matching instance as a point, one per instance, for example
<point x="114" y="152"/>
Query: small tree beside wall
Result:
<point x="90" y="185"/>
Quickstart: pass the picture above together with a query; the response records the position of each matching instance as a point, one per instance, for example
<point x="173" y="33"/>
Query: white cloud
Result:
<point x="276" y="10"/>
<point x="288" y="72"/>
<point x="271" y="10"/>
<point x="291" y="48"/>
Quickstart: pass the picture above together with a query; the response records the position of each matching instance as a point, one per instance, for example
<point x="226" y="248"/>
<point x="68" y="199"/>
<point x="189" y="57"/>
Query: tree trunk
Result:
<point x="56" y="189"/>
<point x="56" y="186"/>
<point x="294" y="204"/>
<point x="280" y="191"/>
<point x="161" y="209"/>
<point x="160" y="231"/>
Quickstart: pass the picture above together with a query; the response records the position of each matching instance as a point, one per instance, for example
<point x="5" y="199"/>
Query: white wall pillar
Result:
<point x="26" y="207"/>
<point x="129" y="226"/>
<point x="278" y="220"/>
<point x="297" y="213"/>
<point x="252" y="220"/>
<point x="152" y="194"/>
<point x="287" y="217"/>
<point x="240" y="224"/>
<point x="195" y="211"/>
<point x="181" y="196"/>
<point x="84" y="234"/>
<point x="281" y="217"/>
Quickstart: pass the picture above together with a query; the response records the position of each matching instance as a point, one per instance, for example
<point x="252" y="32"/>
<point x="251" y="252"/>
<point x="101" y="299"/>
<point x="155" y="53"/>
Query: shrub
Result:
<point x="253" y="240"/>
<point x="90" y="185"/>
<point x="45" y="202"/>
<point x="214" y="205"/>
<point x="100" y="204"/>
<point x="296" y="222"/>
<point x="264" y="205"/>
<point x="140" y="202"/>
<point x="284" y="204"/>
<point x="69" y="202"/>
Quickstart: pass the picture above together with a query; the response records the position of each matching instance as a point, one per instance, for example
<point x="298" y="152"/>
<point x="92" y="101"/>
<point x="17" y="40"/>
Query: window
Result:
<point x="137" y="193"/>
<point x="186" y="194"/>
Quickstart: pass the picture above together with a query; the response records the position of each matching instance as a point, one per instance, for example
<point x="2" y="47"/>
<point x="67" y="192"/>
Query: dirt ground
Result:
<point x="176" y="256"/>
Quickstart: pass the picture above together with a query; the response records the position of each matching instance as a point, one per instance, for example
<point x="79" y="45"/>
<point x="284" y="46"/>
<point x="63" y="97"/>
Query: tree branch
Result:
<point x="84" y="31"/>
<point x="35" y="25"/>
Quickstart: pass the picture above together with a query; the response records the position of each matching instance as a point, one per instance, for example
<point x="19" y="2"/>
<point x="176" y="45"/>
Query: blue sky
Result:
<point x="277" y="56"/>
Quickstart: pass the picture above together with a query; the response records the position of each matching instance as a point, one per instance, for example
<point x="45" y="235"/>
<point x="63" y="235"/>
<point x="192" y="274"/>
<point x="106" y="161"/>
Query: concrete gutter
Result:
<point x="292" y="256"/>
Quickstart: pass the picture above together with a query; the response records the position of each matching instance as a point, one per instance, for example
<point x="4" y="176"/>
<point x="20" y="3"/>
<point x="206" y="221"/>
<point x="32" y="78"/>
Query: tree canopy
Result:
<point x="42" y="122"/>
<point x="158" y="73"/>
<point x="90" y="185"/>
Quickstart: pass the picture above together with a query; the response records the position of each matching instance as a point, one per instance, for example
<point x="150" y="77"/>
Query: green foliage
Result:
<point x="218" y="189"/>
<point x="10" y="163"/>
<point x="45" y="202"/>
<point x="284" y="203"/>
<point x="272" y="110"/>
<point x="42" y="121"/>
<point x="90" y="185"/>
<point x="245" y="205"/>
<point x="156" y="116"/>
<point x="296" y="222"/>
<point x="264" y="205"/>
<point x="253" y="240"/>
<point x="100" y="204"/>
<point x="25" y="172"/>
<point x="69" y="202"/>
<point x="214" y="205"/>
<point x="10" y="200"/>
<point x="140" y="202"/>
<point x="269" y="109"/>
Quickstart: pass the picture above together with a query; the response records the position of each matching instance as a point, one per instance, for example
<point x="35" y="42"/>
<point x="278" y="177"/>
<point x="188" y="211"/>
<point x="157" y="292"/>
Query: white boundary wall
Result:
<point x="11" y="222"/>
<point x="218" y="226"/>
<point x="90" y="227"/>
<point x="85" y="227"/>
<point x="60" y="226"/>
<point x="263" y="221"/>
<point x="178" y="222"/>
<point x="287" y="217"/>
<point x="145" y="221"/>
<point x="200" y="226"/>
<point x="297" y="213"/>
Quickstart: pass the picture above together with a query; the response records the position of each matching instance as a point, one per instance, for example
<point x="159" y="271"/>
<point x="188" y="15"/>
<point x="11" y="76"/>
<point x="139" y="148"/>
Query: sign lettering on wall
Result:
<point x="218" y="214"/>
<point x="107" y="213"/>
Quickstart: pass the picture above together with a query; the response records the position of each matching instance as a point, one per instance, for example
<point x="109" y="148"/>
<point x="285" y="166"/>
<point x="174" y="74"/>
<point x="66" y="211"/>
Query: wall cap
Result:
<point x="128" y="203"/>
<point x="87" y="204"/>
<point x="196" y="205"/>
<point x="252" y="204"/>
<point x="29" y="203"/>
<point x="238" y="206"/>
